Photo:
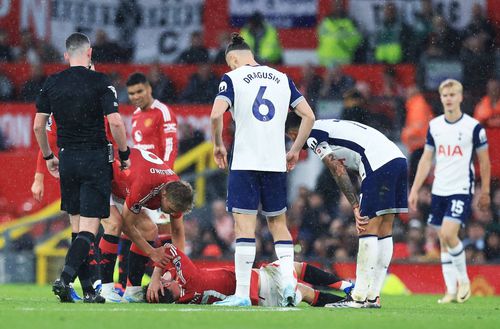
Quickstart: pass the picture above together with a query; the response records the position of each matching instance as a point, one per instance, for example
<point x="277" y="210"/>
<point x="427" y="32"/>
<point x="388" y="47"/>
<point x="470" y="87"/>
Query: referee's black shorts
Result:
<point x="85" y="182"/>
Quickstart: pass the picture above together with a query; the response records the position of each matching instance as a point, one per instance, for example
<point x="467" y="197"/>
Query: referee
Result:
<point x="79" y="98"/>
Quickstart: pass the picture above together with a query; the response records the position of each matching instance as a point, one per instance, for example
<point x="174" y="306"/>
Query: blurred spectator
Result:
<point x="432" y="52"/>
<point x="315" y="222"/>
<point x="263" y="39"/>
<point x="310" y="84"/>
<point x="393" y="38"/>
<point x="6" y="51"/>
<point x="202" y="86"/>
<point x="121" y="89"/>
<point x="414" y="133"/>
<point x="422" y="25"/>
<point x="197" y="53"/>
<point x="31" y="88"/>
<point x="224" y="38"/>
<point x="355" y="107"/>
<point x="105" y="50"/>
<point x="47" y="52"/>
<point x="487" y="111"/>
<point x="338" y="37"/>
<point x="336" y="83"/>
<point x="446" y="37"/>
<point x="27" y="51"/>
<point x="475" y="236"/>
<point x="223" y="225"/>
<point x="189" y="137"/>
<point x="163" y="87"/>
<point x="478" y="64"/>
<point x="6" y="88"/>
<point x="481" y="26"/>
<point x="495" y="205"/>
<point x="492" y="248"/>
<point x="128" y="18"/>
<point x="390" y="85"/>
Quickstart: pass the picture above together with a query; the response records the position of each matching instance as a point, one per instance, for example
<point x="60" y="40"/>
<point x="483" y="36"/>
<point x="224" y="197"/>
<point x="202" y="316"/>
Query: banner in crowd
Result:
<point x="16" y="122"/>
<point x="160" y="29"/>
<point x="280" y="13"/>
<point x="371" y="12"/>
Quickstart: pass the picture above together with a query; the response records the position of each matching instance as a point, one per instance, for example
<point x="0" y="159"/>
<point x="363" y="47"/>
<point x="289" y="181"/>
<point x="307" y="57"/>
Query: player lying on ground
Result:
<point x="148" y="185"/>
<point x="382" y="167"/>
<point x="185" y="283"/>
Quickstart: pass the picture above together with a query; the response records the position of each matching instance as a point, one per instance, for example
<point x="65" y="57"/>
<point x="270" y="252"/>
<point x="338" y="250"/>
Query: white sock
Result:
<point x="449" y="273"/>
<point x="284" y="251"/>
<point x="365" y="266"/>
<point x="244" y="256"/>
<point x="385" y="248"/>
<point x="457" y="254"/>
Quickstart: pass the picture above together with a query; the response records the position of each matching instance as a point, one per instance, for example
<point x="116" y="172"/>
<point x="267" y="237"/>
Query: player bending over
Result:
<point x="382" y="167"/>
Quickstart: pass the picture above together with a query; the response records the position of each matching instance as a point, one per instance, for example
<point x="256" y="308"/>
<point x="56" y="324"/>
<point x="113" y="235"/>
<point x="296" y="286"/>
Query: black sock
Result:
<point x="73" y="236"/>
<point x="85" y="278"/>
<point x="123" y="252"/>
<point x="326" y="298"/>
<point x="94" y="257"/>
<point x="108" y="248"/>
<point x="318" y="277"/>
<point x="137" y="265"/>
<point x="77" y="254"/>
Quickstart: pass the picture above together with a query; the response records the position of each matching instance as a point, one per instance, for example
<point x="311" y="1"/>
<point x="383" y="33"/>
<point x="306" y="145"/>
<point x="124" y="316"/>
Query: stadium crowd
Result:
<point x="321" y="219"/>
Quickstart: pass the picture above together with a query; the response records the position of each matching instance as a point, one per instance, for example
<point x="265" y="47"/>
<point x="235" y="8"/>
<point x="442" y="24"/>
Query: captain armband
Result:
<point x="322" y="150"/>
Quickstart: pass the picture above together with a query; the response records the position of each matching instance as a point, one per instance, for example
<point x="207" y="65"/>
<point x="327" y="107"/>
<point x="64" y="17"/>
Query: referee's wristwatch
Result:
<point x="49" y="157"/>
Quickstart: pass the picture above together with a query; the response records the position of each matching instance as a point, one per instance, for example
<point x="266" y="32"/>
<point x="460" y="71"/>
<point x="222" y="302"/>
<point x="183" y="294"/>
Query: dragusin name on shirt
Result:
<point x="261" y="75"/>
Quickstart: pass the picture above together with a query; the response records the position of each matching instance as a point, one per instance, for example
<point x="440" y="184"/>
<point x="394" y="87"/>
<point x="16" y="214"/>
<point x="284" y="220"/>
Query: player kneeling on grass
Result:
<point x="382" y="167"/>
<point x="148" y="184"/>
<point x="185" y="283"/>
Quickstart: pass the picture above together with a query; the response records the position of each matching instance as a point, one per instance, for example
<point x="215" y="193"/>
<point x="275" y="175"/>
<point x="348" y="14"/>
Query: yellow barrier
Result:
<point x="200" y="156"/>
<point x="48" y="249"/>
<point x="25" y="222"/>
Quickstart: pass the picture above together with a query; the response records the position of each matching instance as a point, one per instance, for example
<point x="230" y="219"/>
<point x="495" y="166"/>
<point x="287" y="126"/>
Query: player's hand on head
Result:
<point x="220" y="156"/>
<point x="155" y="288"/>
<point x="53" y="167"/>
<point x="484" y="201"/>
<point x="361" y="221"/>
<point x="291" y="160"/>
<point x="160" y="257"/>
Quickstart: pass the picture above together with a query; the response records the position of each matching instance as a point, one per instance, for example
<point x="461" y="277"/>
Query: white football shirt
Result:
<point x="358" y="146"/>
<point x="453" y="145"/>
<point x="259" y="98"/>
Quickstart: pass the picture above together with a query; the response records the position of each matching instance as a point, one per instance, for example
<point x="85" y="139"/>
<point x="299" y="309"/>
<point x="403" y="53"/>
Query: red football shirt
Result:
<point x="203" y="285"/>
<point x="155" y="130"/>
<point x="140" y="185"/>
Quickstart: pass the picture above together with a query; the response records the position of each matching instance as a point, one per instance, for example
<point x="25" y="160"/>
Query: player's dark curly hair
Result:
<point x="166" y="298"/>
<point x="237" y="43"/>
<point x="180" y="194"/>
<point x="136" y="78"/>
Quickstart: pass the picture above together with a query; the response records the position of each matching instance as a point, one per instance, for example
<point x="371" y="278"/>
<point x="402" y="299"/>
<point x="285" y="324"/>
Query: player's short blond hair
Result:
<point x="451" y="83"/>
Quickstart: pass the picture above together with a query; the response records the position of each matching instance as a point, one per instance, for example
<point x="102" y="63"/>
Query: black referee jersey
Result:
<point x="79" y="98"/>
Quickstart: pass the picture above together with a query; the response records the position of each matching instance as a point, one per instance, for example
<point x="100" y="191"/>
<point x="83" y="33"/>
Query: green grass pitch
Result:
<point x="33" y="307"/>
